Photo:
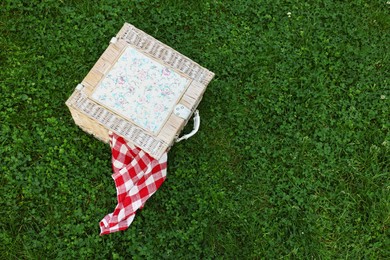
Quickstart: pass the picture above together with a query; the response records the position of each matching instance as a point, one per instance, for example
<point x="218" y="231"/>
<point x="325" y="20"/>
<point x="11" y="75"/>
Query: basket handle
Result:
<point x="195" y="130"/>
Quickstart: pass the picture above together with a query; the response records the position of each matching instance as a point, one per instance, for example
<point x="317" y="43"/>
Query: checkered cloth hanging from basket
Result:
<point x="137" y="177"/>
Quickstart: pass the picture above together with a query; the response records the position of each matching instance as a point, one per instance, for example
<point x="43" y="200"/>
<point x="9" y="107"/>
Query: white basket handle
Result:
<point x="195" y="130"/>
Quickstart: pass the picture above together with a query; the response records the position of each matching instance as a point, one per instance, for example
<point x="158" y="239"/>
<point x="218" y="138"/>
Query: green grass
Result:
<point x="291" y="161"/>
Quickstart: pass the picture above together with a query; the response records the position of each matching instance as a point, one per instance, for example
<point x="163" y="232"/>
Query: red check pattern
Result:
<point x="137" y="177"/>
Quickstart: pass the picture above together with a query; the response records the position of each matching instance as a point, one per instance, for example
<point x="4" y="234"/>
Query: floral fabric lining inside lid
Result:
<point x="141" y="90"/>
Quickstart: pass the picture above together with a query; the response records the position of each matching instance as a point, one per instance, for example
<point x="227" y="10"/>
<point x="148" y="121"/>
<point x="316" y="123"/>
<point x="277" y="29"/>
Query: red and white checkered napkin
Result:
<point x="137" y="177"/>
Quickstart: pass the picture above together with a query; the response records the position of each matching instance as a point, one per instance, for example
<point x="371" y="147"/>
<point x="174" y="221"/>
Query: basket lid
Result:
<point x="135" y="86"/>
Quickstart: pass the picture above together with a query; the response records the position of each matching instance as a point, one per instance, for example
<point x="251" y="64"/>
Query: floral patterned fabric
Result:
<point x="141" y="89"/>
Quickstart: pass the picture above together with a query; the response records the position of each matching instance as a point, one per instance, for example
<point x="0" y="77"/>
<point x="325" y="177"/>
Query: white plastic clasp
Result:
<point x="195" y="130"/>
<point x="181" y="111"/>
<point x="113" y="40"/>
<point x="79" y="87"/>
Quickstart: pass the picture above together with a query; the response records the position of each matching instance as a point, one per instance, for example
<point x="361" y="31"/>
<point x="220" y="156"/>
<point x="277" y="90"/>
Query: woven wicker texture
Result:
<point x="117" y="96"/>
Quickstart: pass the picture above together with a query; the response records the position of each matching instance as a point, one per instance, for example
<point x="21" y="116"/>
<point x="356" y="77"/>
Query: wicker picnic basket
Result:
<point x="140" y="89"/>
